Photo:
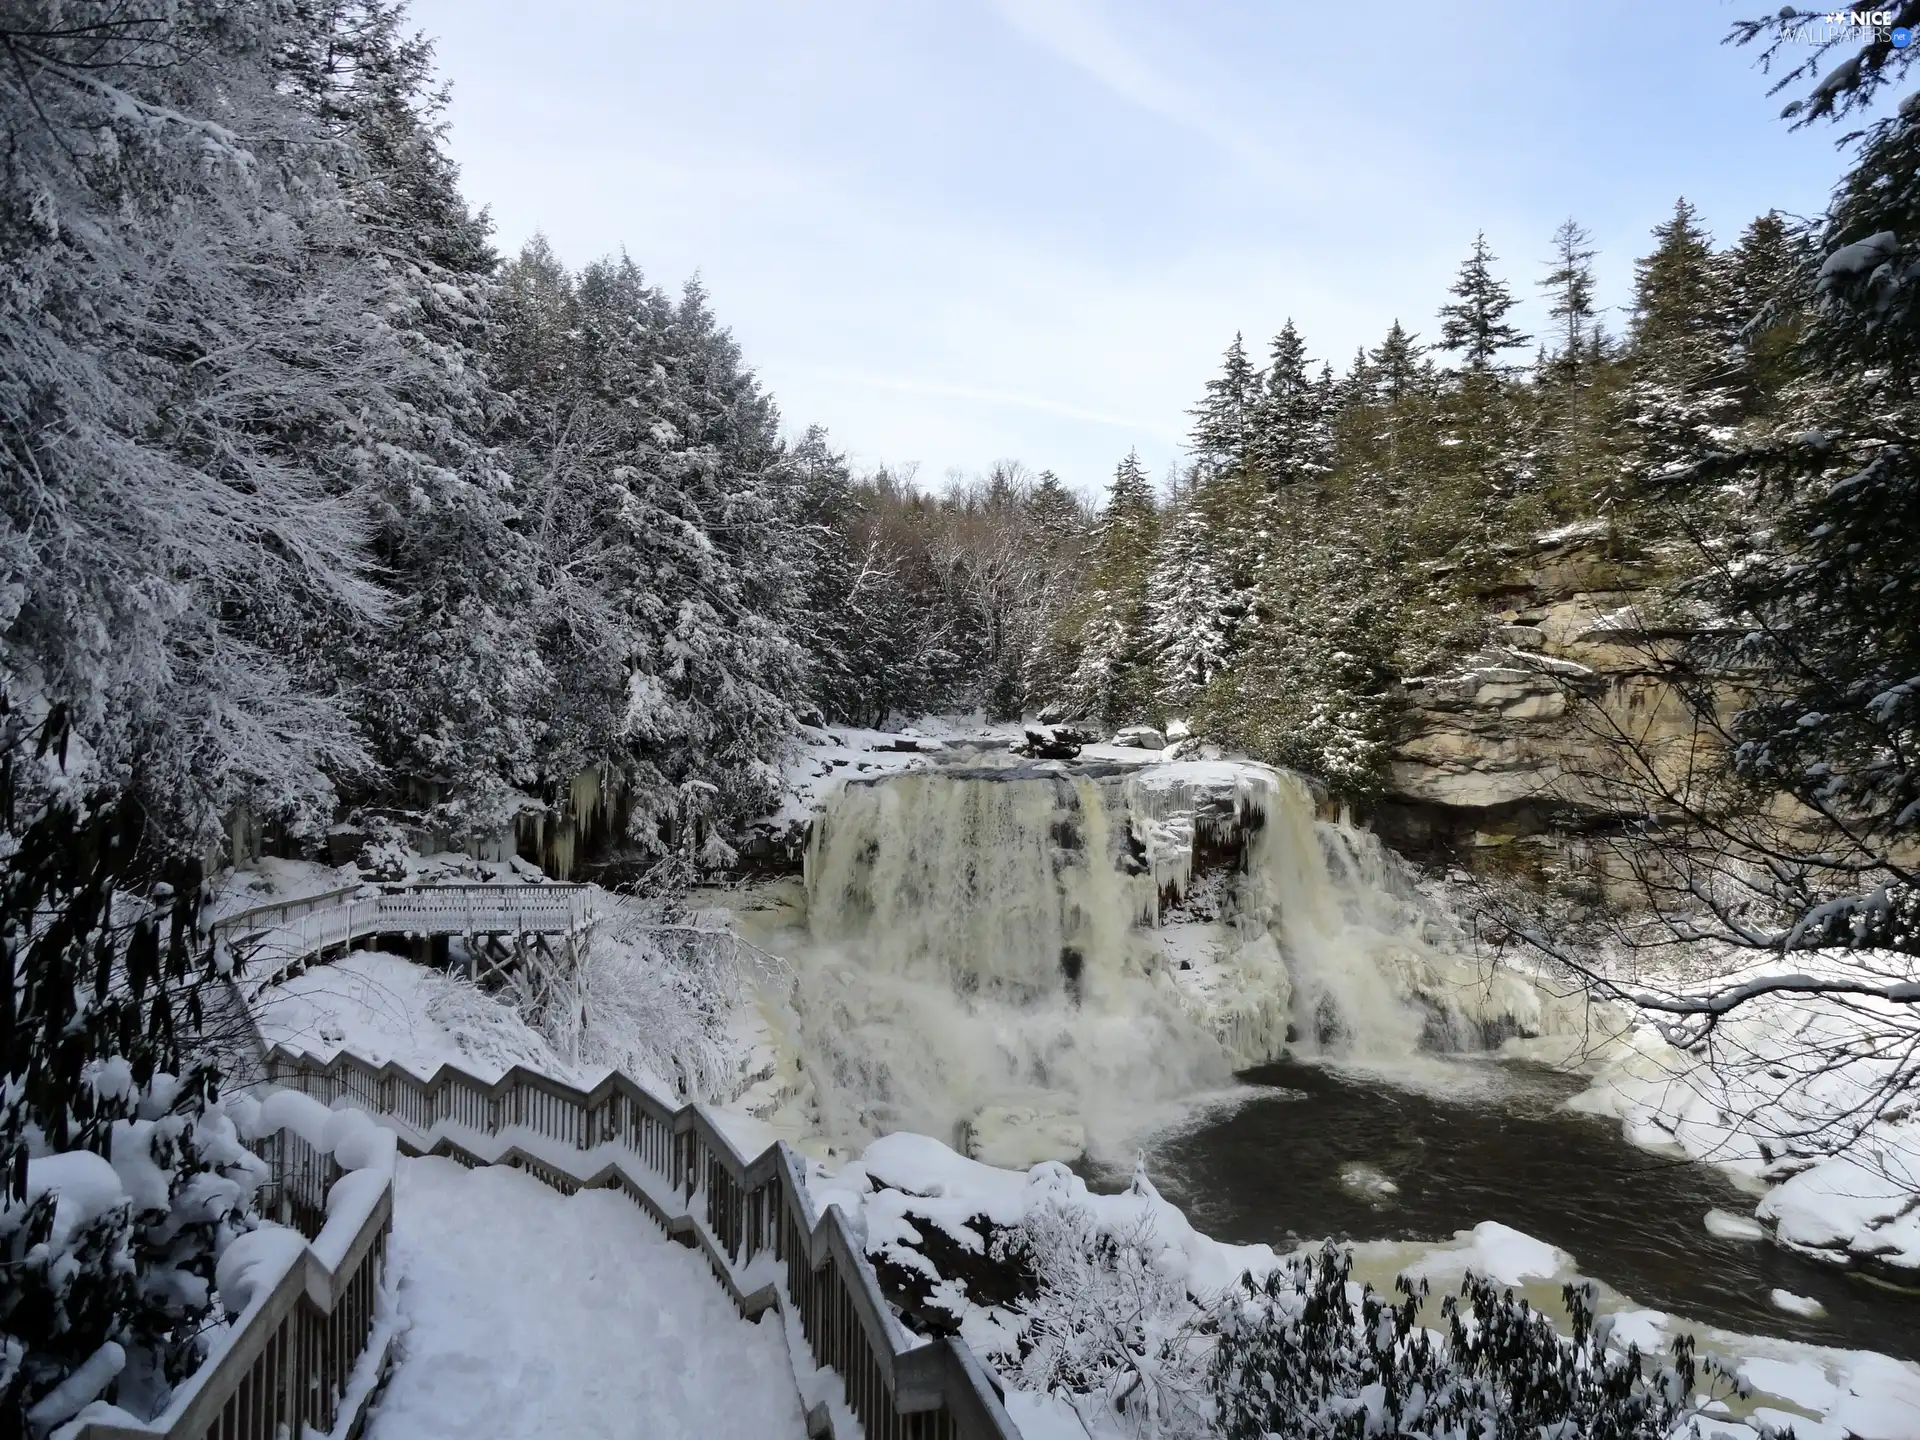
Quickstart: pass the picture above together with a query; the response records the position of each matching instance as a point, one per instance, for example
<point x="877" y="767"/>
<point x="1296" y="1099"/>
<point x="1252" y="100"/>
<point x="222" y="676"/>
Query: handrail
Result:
<point x="752" y="1218"/>
<point x="283" y="910"/>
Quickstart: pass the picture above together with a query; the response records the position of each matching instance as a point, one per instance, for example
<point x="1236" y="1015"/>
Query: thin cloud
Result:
<point x="947" y="391"/>
<point x="1079" y="33"/>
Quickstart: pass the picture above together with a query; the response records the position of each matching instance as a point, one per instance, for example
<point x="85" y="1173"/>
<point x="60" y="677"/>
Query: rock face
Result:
<point x="1519" y="743"/>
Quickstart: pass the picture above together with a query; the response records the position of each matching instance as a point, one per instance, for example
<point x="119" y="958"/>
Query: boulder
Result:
<point x="1046" y="742"/>
<point x="1139" y="737"/>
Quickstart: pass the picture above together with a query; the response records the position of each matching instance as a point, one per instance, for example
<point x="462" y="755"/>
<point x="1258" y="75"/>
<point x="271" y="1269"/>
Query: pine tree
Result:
<point x="669" y="575"/>
<point x="1681" y="397"/>
<point x="1570" y="285"/>
<point x="1290" y="422"/>
<point x="1766" y="306"/>
<point x="839" y="581"/>
<point x="1223" y="420"/>
<point x="1113" y="679"/>
<point x="1056" y="524"/>
<point x="1826" y="635"/>
<point x="1394" y="365"/>
<point x="1475" y="323"/>
<point x="1189" y="606"/>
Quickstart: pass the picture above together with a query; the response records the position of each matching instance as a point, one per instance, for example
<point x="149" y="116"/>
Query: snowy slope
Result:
<point x="532" y="1314"/>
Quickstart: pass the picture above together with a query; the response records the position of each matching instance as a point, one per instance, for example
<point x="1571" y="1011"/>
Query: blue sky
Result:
<point x="958" y="231"/>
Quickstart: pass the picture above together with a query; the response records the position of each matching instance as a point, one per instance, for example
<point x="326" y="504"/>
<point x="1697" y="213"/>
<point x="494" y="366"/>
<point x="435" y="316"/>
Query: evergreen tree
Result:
<point x="1190" y="610"/>
<point x="1681" y="398"/>
<point x="444" y="515"/>
<point x="839" y="582"/>
<point x="1223" y="420"/>
<point x="1113" y="679"/>
<point x="1056" y="524"/>
<point x="1475" y="323"/>
<point x="669" y="574"/>
<point x="1826" y="634"/>
<point x="1569" y="283"/>
<point x="1394" y="366"/>
<point x="1766" y="307"/>
<point x="1290" y="421"/>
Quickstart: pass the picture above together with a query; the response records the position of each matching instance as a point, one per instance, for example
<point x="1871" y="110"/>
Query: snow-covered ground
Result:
<point x="387" y="1008"/>
<point x="532" y="1314"/>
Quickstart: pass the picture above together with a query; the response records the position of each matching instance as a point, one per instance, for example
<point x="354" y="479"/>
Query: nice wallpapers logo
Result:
<point x="1844" y="24"/>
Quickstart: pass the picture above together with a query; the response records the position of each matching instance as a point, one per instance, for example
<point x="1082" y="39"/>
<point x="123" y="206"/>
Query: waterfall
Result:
<point x="1006" y="956"/>
<point x="1002" y="888"/>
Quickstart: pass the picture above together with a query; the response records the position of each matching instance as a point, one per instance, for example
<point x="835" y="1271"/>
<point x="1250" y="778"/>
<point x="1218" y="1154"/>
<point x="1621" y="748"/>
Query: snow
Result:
<point x="1043" y="1417"/>
<point x="1499" y="1252"/>
<point x="386" y="1008"/>
<point x="1795" y="1304"/>
<point x="1882" y="1400"/>
<point x="903" y="1183"/>
<point x="253" y="1264"/>
<point x="1577" y="530"/>
<point x="88" y="1379"/>
<point x="352" y="1198"/>
<point x="1782" y="1070"/>
<point x="85" y="1186"/>
<point x="1802" y="1382"/>
<point x="528" y="1313"/>
<point x="827" y="758"/>
<point x="1728" y="1226"/>
<point x="1851" y="1204"/>
<point x="1861" y="255"/>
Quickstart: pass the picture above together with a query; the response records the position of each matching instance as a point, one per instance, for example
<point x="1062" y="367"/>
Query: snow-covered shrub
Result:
<point x="649" y="992"/>
<point x="1108" y="1329"/>
<point x="1298" y="1355"/>
<point x="124" y="1179"/>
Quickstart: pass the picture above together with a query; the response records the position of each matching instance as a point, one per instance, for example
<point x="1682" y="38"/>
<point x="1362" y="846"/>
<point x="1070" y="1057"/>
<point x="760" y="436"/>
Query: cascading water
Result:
<point x="983" y="954"/>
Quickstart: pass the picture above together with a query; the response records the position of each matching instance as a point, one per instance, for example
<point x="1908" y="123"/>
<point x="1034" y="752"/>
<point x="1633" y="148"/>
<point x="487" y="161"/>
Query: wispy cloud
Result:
<point x="1081" y="33"/>
<point x="906" y="385"/>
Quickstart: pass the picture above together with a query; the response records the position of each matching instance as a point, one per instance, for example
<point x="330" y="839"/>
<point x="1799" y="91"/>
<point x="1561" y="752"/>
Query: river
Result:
<point x="1312" y="1150"/>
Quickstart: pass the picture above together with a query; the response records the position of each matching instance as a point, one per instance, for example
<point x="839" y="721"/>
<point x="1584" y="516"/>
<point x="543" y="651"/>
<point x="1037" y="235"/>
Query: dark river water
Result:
<point x="1497" y="1147"/>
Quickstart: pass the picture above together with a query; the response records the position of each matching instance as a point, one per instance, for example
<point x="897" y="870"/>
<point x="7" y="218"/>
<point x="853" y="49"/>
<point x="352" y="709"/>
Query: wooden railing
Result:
<point x="298" y="1360"/>
<point x="752" y="1218"/>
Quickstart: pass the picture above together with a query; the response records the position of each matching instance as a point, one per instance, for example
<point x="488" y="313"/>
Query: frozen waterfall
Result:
<point x="1039" y="960"/>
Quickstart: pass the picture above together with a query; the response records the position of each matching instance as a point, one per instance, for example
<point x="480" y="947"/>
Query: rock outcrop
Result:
<point x="1521" y="741"/>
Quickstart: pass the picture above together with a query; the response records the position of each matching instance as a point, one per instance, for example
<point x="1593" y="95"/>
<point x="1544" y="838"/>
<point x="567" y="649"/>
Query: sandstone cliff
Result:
<point x="1513" y="746"/>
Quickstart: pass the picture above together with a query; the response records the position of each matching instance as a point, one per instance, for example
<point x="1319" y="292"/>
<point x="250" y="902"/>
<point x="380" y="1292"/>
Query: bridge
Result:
<point x="505" y="927"/>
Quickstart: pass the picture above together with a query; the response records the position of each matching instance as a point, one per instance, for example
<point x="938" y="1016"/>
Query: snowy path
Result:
<point x="531" y="1314"/>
